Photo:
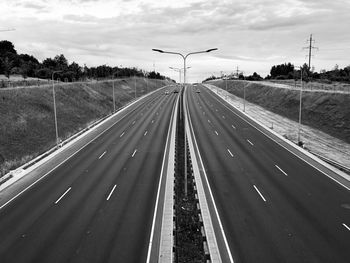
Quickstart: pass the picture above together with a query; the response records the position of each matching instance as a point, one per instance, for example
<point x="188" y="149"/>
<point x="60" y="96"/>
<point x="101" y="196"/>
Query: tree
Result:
<point x="6" y="65"/>
<point x="61" y="61"/>
<point x="254" y="77"/>
<point x="285" y="69"/>
<point x="50" y="63"/>
<point x="76" y="70"/>
<point x="7" y="47"/>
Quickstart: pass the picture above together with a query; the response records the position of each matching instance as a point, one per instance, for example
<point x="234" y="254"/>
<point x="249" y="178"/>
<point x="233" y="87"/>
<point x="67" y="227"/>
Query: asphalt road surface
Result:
<point x="274" y="207"/>
<point x="99" y="205"/>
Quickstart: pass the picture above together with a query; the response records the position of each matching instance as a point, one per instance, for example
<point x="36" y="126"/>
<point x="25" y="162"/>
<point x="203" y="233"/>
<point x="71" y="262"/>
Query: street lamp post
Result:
<point x="113" y="93"/>
<point x="300" y="102"/>
<point x="226" y="85"/>
<point x="54" y="106"/>
<point x="135" y="85"/>
<point x="179" y="70"/>
<point x="244" y="98"/>
<point x="184" y="57"/>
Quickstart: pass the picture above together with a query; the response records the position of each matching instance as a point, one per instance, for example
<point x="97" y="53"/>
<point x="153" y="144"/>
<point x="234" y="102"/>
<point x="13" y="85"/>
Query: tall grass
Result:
<point x="27" y="126"/>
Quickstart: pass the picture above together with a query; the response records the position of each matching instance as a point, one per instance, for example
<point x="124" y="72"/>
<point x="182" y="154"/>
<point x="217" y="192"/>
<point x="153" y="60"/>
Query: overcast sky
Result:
<point x="253" y="35"/>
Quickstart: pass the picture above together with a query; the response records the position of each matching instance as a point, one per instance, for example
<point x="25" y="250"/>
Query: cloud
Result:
<point x="252" y="33"/>
<point x="31" y="5"/>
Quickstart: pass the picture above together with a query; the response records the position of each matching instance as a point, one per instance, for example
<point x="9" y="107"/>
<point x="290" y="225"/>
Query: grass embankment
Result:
<point x="27" y="116"/>
<point x="327" y="112"/>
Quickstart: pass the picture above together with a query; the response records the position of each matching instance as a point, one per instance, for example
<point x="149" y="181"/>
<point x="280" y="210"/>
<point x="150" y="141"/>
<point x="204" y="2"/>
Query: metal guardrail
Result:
<point x="334" y="163"/>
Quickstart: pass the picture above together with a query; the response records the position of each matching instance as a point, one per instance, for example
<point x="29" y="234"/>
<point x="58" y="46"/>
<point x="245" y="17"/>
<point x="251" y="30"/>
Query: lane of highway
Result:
<point x="274" y="207"/>
<point x="98" y="206"/>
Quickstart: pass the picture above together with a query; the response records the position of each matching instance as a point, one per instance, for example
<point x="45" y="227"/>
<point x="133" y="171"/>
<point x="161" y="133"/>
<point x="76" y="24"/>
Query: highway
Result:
<point x="274" y="207"/>
<point x="98" y="206"/>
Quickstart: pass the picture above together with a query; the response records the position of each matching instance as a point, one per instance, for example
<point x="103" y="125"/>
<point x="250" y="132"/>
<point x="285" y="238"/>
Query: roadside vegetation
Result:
<point x="27" y="115"/>
<point x="327" y="112"/>
<point x="288" y="71"/>
<point x="27" y="66"/>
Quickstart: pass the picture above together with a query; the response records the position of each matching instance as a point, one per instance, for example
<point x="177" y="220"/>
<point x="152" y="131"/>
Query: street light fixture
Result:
<point x="54" y="105"/>
<point x="178" y="70"/>
<point x="184" y="68"/>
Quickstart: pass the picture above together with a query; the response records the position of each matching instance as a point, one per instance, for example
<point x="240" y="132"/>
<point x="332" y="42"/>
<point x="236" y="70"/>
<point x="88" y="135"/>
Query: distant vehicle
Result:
<point x="198" y="91"/>
<point x="166" y="92"/>
<point x="176" y="91"/>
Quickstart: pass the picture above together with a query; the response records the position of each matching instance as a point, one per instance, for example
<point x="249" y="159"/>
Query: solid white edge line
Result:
<point x="230" y="152"/>
<point x="262" y="197"/>
<point x="158" y="193"/>
<point x="348" y="228"/>
<point x="134" y="153"/>
<point x="211" y="195"/>
<point x="102" y="155"/>
<point x="110" y="194"/>
<point x="280" y="144"/>
<point x="77" y="151"/>
<point x="59" y="199"/>
<point x="281" y="170"/>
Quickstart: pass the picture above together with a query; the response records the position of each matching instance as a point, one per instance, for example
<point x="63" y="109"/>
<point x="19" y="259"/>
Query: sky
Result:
<point x="251" y="35"/>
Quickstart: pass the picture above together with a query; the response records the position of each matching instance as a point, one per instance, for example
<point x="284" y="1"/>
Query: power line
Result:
<point x="310" y="48"/>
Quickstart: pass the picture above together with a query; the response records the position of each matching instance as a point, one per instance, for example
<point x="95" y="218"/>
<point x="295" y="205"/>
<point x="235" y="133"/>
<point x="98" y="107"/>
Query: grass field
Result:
<point x="327" y="112"/>
<point x="27" y="116"/>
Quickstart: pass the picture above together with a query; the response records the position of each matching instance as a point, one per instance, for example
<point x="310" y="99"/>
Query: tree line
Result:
<point x="28" y="66"/>
<point x="289" y="71"/>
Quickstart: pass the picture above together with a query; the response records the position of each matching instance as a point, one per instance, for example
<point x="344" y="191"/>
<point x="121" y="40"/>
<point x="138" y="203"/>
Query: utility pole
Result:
<point x="310" y="47"/>
<point x="237" y="72"/>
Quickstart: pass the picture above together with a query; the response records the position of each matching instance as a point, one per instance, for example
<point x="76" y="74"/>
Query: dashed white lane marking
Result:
<point x="216" y="133"/>
<point x="145" y="133"/>
<point x="209" y="121"/>
<point x="348" y="228"/>
<point x="216" y="109"/>
<point x="121" y="135"/>
<point x="250" y="143"/>
<point x="133" y="122"/>
<point x="134" y="153"/>
<point x="110" y="194"/>
<point x="262" y="197"/>
<point x="223" y="117"/>
<point x="281" y="170"/>
<point x="152" y="121"/>
<point x="230" y="152"/>
<point x="233" y="126"/>
<point x="102" y="155"/>
<point x="59" y="199"/>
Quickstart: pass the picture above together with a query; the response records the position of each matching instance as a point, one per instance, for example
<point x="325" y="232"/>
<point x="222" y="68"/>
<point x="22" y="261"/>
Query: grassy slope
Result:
<point x="26" y="114"/>
<point x="327" y="112"/>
